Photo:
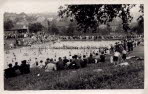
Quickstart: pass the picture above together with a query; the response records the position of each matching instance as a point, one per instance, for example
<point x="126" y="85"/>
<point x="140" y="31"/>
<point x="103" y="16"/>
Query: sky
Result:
<point x="30" y="6"/>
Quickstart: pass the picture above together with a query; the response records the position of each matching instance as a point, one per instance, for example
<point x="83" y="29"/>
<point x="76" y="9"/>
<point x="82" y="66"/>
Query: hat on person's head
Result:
<point x="47" y="59"/>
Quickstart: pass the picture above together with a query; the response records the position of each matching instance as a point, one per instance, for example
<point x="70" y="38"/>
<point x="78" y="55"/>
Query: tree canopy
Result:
<point x="35" y="27"/>
<point x="91" y="16"/>
<point x="8" y="25"/>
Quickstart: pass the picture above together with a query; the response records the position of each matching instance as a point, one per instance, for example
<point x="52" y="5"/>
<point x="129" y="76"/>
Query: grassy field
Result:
<point x="111" y="77"/>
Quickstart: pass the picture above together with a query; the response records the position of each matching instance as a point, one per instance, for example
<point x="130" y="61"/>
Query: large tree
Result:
<point x="141" y="20"/>
<point x="70" y="30"/>
<point x="54" y="29"/>
<point x="91" y="16"/>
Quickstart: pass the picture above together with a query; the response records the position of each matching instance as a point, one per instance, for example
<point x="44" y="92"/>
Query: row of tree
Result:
<point x="91" y="16"/>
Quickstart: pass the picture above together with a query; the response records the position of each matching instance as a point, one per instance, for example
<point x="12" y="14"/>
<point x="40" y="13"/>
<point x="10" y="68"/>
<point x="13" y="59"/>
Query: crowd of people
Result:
<point x="117" y="54"/>
<point x="28" y="39"/>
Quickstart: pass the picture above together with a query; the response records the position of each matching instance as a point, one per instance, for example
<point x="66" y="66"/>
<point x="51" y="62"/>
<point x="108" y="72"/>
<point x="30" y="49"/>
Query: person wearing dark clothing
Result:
<point x="91" y="59"/>
<point x="16" y="66"/>
<point x="132" y="45"/>
<point x="9" y="72"/>
<point x="125" y="44"/>
<point x="75" y="64"/>
<point x="84" y="63"/>
<point x="117" y="47"/>
<point x="102" y="57"/>
<point x="47" y="61"/>
<point x="65" y="60"/>
<point x="60" y="64"/>
<point x="24" y="68"/>
<point x="111" y="49"/>
<point x="129" y="46"/>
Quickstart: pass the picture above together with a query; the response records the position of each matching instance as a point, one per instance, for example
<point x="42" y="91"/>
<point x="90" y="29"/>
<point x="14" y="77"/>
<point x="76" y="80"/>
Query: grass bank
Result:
<point x="111" y="77"/>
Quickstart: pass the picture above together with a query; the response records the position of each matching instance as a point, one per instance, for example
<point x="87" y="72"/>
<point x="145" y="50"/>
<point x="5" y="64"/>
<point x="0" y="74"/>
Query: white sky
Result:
<point x="31" y="6"/>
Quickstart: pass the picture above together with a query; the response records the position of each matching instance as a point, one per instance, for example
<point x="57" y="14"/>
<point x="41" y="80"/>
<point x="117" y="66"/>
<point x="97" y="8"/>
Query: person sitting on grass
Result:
<point x="60" y="64"/>
<point x="47" y="61"/>
<point x="9" y="72"/>
<point x="68" y="64"/>
<point x="41" y="64"/>
<point x="102" y="57"/>
<point x="80" y="60"/>
<point x="97" y="58"/>
<point x="91" y="59"/>
<point x="16" y="66"/>
<point x="50" y="66"/>
<point x="65" y="60"/>
<point x="84" y="63"/>
<point x="24" y="68"/>
<point x="74" y="64"/>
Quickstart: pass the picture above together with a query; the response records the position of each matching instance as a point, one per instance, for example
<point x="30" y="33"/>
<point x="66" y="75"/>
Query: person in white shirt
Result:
<point x="50" y="67"/>
<point x="116" y="57"/>
<point x="41" y="65"/>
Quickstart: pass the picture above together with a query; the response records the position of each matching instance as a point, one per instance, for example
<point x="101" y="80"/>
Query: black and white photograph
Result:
<point x="66" y="46"/>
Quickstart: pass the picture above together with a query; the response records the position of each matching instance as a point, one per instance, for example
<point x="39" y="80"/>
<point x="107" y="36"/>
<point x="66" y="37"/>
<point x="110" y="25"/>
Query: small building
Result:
<point x="21" y="28"/>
